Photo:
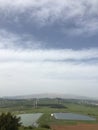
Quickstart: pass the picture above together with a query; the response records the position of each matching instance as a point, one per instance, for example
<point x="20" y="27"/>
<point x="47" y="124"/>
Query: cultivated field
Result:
<point x="76" y="127"/>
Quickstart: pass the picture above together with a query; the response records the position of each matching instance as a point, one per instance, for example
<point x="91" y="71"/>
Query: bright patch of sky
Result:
<point x="49" y="46"/>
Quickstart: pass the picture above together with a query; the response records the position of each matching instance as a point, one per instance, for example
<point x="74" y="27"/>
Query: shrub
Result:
<point x="45" y="126"/>
<point x="9" y="122"/>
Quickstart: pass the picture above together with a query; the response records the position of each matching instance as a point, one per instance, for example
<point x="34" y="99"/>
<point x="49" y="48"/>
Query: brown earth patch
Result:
<point x="76" y="127"/>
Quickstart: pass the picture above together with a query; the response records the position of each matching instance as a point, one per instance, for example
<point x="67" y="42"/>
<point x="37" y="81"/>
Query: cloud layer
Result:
<point x="48" y="24"/>
<point x="37" y="71"/>
<point x="76" y="16"/>
<point x="48" y="45"/>
<point x="37" y="55"/>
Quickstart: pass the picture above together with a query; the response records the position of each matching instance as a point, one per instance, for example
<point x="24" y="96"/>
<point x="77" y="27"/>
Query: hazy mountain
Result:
<point x="49" y="95"/>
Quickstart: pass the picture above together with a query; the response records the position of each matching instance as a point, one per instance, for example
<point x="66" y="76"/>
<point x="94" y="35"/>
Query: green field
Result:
<point x="48" y="106"/>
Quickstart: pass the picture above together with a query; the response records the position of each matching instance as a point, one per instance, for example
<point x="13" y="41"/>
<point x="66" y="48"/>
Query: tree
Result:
<point x="9" y="121"/>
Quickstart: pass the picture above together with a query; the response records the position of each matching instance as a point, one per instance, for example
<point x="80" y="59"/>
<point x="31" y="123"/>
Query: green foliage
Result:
<point x="27" y="128"/>
<point x="45" y="126"/>
<point x="9" y="122"/>
<point x="52" y="105"/>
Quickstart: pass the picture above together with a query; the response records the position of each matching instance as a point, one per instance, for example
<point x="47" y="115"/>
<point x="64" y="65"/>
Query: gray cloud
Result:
<point x="81" y="14"/>
<point x="48" y="45"/>
<point x="49" y="24"/>
<point x="15" y="41"/>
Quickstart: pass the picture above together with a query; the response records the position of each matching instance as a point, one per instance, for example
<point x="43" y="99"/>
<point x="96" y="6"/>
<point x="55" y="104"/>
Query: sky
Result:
<point x="49" y="46"/>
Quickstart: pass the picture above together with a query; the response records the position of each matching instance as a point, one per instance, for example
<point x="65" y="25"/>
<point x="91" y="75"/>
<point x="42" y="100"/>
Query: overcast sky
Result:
<point x="49" y="46"/>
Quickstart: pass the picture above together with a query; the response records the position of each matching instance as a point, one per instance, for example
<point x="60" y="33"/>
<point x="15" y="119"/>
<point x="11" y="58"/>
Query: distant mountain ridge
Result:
<point x="48" y="95"/>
